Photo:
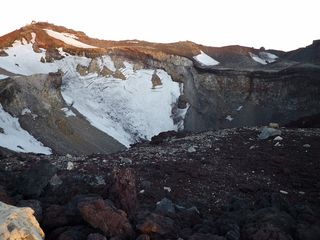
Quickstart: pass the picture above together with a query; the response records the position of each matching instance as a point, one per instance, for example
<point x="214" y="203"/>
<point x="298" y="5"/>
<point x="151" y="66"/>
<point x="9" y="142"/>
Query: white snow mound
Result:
<point x="205" y="60"/>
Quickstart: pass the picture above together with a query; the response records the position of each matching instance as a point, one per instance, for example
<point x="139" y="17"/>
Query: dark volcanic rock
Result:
<point x="96" y="236"/>
<point x="143" y="237"/>
<point x="208" y="236"/>
<point x="35" y="205"/>
<point x="165" y="206"/>
<point x="53" y="54"/>
<point x="4" y="197"/>
<point x="54" y="216"/>
<point x="103" y="215"/>
<point x="70" y="233"/>
<point x="36" y="179"/>
<point x="3" y="53"/>
<point x="269" y="223"/>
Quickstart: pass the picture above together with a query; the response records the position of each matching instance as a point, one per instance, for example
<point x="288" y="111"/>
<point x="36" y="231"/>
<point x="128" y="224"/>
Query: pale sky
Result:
<point x="277" y="24"/>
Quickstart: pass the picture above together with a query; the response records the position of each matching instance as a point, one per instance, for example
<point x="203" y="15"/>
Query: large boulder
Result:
<point x="158" y="224"/>
<point x="35" y="205"/>
<point x="18" y="224"/>
<point x="104" y="216"/>
<point x="36" y="179"/>
<point x="269" y="223"/>
<point x="54" y="216"/>
<point x="123" y="190"/>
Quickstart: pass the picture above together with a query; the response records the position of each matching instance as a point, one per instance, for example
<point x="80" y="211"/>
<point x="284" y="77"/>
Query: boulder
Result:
<point x="104" y="216"/>
<point x="156" y="223"/>
<point x="54" y="216"/>
<point x="79" y="232"/>
<point x="268" y="132"/>
<point x="143" y="237"/>
<point x="269" y="223"/>
<point x="18" y="224"/>
<point x="207" y="236"/>
<point x="123" y="190"/>
<point x="96" y="236"/>
<point x="165" y="206"/>
<point x="4" y="197"/>
<point x="53" y="54"/>
<point x="188" y="218"/>
<point x="72" y="211"/>
<point x="267" y="232"/>
<point x="3" y="53"/>
<point x="36" y="179"/>
<point x="35" y="205"/>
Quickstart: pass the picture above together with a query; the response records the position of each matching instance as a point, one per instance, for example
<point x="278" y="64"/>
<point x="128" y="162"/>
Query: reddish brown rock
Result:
<point x="123" y="190"/>
<point x="104" y="216"/>
<point x="155" y="223"/>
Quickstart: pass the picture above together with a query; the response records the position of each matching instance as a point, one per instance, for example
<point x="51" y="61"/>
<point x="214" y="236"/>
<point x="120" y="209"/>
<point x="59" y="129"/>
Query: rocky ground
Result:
<point x="227" y="184"/>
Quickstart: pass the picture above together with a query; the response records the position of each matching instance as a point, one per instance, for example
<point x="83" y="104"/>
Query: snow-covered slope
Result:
<point x="127" y="110"/>
<point x="23" y="60"/>
<point x="13" y="137"/>
<point x="205" y="60"/>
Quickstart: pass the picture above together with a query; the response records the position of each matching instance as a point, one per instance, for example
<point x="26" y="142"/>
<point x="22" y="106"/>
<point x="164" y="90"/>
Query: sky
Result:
<point x="273" y="24"/>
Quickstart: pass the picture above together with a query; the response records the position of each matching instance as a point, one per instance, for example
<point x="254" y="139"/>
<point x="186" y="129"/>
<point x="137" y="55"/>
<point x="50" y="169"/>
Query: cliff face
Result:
<point x="223" y="98"/>
<point x="231" y="99"/>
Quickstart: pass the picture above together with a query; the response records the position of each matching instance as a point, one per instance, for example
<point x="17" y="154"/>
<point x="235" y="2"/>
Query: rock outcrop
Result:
<point x="18" y="224"/>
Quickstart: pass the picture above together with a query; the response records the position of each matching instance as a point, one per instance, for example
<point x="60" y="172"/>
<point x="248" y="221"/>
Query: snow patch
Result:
<point x="3" y="76"/>
<point x="239" y="108"/>
<point x="229" y="118"/>
<point x="264" y="57"/>
<point x="68" y="38"/>
<point x="13" y="137"/>
<point x="68" y="112"/>
<point x="205" y="59"/>
<point x="33" y="37"/>
<point x="25" y="111"/>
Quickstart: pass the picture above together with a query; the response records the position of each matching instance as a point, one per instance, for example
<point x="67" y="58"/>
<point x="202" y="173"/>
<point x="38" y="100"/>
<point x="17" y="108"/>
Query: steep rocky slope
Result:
<point x="132" y="90"/>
